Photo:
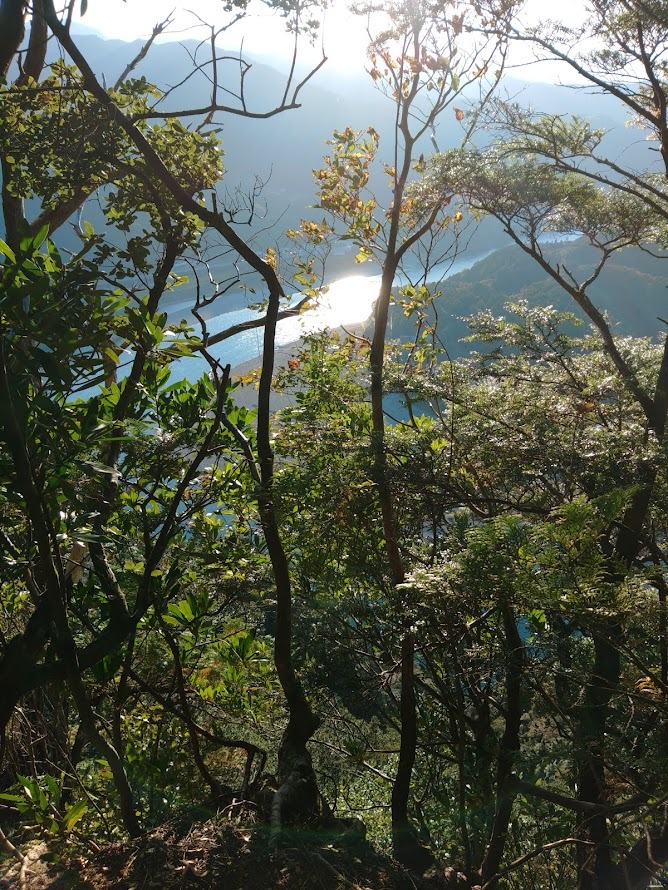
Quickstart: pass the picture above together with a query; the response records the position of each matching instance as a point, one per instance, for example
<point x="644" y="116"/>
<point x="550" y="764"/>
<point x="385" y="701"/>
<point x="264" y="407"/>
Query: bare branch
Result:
<point x="157" y="31"/>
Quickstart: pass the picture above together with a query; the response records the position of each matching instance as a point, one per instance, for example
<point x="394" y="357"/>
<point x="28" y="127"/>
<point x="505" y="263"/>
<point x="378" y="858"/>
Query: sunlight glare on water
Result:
<point x="348" y="301"/>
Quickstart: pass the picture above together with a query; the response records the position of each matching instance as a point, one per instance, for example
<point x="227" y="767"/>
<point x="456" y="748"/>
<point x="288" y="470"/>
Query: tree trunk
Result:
<point x="641" y="864"/>
<point x="509" y="747"/>
<point x="107" y="751"/>
<point x="406" y="848"/>
<point x="12" y="32"/>
<point x="297" y="799"/>
<point x="595" y="867"/>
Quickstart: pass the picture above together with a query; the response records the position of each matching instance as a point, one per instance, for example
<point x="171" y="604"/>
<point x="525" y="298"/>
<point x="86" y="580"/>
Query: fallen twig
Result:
<point x="9" y="847"/>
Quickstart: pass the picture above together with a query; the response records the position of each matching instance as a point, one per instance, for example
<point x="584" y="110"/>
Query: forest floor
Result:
<point x="218" y="854"/>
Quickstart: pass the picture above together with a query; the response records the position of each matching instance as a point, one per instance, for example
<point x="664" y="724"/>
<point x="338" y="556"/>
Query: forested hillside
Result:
<point x="328" y="645"/>
<point x="631" y="290"/>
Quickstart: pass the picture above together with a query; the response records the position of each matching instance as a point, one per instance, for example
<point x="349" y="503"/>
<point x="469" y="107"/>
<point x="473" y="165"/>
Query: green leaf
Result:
<point x="41" y="236"/>
<point x="7" y="251"/>
<point x="112" y="355"/>
<point x="76" y="812"/>
<point x="186" y="610"/>
<point x="54" y="789"/>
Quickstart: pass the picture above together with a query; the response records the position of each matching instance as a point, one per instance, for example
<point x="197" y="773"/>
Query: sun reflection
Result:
<point x="348" y="301"/>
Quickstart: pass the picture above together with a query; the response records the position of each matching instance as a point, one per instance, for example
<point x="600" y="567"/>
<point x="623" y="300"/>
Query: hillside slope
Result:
<point x="631" y="290"/>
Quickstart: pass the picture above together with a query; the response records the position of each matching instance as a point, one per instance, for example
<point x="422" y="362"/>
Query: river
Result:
<point x="348" y="301"/>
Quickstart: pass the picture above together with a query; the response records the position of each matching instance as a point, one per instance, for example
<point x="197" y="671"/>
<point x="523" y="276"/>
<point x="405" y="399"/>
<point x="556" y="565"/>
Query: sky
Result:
<point x="263" y="33"/>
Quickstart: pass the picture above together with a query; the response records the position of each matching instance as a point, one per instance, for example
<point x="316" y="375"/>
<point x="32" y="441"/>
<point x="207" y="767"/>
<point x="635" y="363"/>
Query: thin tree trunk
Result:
<point x="12" y="32"/>
<point x="595" y="867"/>
<point x="509" y="747"/>
<point x="402" y="833"/>
<point x="36" y="54"/>
<point x="641" y="864"/>
<point x="106" y="750"/>
<point x="12" y="206"/>
<point x="213" y="783"/>
<point x="406" y="847"/>
<point x="302" y="721"/>
<point x="297" y="798"/>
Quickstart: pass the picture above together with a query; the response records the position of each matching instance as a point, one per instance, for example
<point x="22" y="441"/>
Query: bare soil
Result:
<point x="218" y="854"/>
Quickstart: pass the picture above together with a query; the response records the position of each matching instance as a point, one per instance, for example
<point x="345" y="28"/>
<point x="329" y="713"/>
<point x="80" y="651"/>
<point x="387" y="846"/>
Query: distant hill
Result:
<point x="631" y="290"/>
<point x="284" y="150"/>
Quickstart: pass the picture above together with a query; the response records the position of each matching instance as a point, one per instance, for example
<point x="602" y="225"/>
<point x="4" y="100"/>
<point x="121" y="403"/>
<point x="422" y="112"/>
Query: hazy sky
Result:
<point x="263" y="33"/>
